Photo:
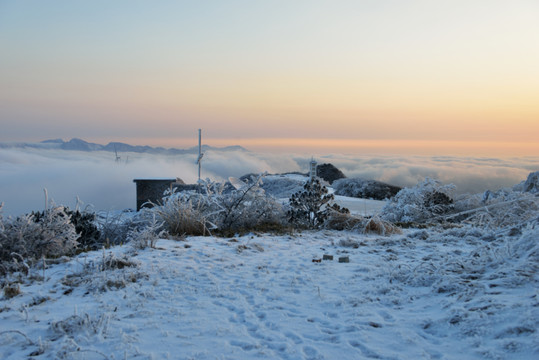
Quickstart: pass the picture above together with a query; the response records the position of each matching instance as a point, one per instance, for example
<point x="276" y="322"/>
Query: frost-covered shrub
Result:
<point x="183" y="214"/>
<point x="89" y="234"/>
<point x="509" y="207"/>
<point x="422" y="203"/>
<point x="466" y="202"/>
<point x="147" y="236"/>
<point x="245" y="208"/>
<point x="530" y="185"/>
<point x="85" y="226"/>
<point x="248" y="207"/>
<point x="115" y="226"/>
<point x="311" y="207"/>
<point x="367" y="189"/>
<point x="52" y="233"/>
<point x="496" y="209"/>
<point x="32" y="236"/>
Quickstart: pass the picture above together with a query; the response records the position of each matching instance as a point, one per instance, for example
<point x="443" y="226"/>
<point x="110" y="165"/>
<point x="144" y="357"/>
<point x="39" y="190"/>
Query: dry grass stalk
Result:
<point x="183" y="217"/>
<point x="342" y="221"/>
<point x="12" y="290"/>
<point x="381" y="227"/>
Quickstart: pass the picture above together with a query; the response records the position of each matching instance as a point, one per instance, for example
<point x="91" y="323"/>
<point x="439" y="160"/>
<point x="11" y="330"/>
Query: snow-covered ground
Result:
<point x="456" y="293"/>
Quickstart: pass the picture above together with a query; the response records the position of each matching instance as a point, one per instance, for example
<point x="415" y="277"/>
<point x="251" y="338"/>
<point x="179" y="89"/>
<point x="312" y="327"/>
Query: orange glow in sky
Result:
<point x="404" y="76"/>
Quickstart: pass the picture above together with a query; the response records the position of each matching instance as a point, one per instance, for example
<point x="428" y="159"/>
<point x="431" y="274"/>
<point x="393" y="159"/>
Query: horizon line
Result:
<point x="331" y="145"/>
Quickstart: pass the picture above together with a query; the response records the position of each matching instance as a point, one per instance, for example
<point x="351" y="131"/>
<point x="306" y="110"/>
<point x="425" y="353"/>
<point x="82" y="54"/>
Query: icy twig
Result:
<point x="17" y="332"/>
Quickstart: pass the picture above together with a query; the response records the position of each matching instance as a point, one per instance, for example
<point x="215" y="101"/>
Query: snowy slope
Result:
<point x="457" y="293"/>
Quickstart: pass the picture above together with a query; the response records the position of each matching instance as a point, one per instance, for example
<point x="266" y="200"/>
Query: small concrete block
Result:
<point x="327" y="257"/>
<point x="344" y="259"/>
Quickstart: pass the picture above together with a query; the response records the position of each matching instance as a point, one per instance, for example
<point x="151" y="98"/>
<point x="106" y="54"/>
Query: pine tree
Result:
<point x="311" y="206"/>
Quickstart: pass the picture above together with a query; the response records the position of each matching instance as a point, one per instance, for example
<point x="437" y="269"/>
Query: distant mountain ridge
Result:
<point x="77" y="144"/>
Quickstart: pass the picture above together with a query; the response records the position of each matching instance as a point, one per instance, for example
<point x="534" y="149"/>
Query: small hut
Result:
<point x="151" y="191"/>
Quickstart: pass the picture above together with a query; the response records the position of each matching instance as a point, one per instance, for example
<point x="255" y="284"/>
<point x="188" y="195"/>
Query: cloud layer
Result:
<point x="469" y="174"/>
<point x="97" y="180"/>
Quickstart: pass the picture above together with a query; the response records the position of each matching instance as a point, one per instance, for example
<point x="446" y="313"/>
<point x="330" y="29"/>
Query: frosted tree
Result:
<point x="311" y="207"/>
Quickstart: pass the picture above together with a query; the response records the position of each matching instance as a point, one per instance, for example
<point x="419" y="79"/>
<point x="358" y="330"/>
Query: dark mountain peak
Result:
<point x="80" y="145"/>
<point x="114" y="146"/>
<point x="225" y="148"/>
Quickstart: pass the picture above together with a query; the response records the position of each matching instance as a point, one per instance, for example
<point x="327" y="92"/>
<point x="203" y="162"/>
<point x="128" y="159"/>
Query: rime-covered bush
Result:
<point x="508" y="207"/>
<point x="501" y="208"/>
<point x="311" y="207"/>
<point x="85" y="226"/>
<point x="184" y="214"/>
<point x="146" y="236"/>
<point x="367" y="189"/>
<point x="248" y="207"/>
<point x="52" y="233"/>
<point x="245" y="208"/>
<point x="33" y="236"/>
<point x="115" y="226"/>
<point x="531" y="184"/>
<point x="425" y="202"/>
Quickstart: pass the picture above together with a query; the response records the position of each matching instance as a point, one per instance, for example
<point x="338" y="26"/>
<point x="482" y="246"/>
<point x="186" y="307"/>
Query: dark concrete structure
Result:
<point x="151" y="190"/>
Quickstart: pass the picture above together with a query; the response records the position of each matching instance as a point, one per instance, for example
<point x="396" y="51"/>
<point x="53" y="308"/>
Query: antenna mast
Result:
<point x="116" y="152"/>
<point x="200" y="154"/>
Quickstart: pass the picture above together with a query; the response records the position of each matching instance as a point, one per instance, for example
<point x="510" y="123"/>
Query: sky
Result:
<point x="421" y="77"/>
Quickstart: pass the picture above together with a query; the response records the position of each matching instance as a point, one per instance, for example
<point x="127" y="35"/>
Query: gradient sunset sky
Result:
<point x="455" y="76"/>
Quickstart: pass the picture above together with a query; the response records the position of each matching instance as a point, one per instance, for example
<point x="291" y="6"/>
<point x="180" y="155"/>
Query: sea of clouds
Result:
<point x="97" y="180"/>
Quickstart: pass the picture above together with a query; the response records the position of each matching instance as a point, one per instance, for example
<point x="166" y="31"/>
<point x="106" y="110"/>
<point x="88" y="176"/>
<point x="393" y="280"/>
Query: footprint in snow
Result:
<point x="261" y="315"/>
<point x="244" y="345"/>
<point x="295" y="338"/>
<point x="364" y="349"/>
<point x="278" y="346"/>
<point x="310" y="352"/>
<point x="386" y="316"/>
